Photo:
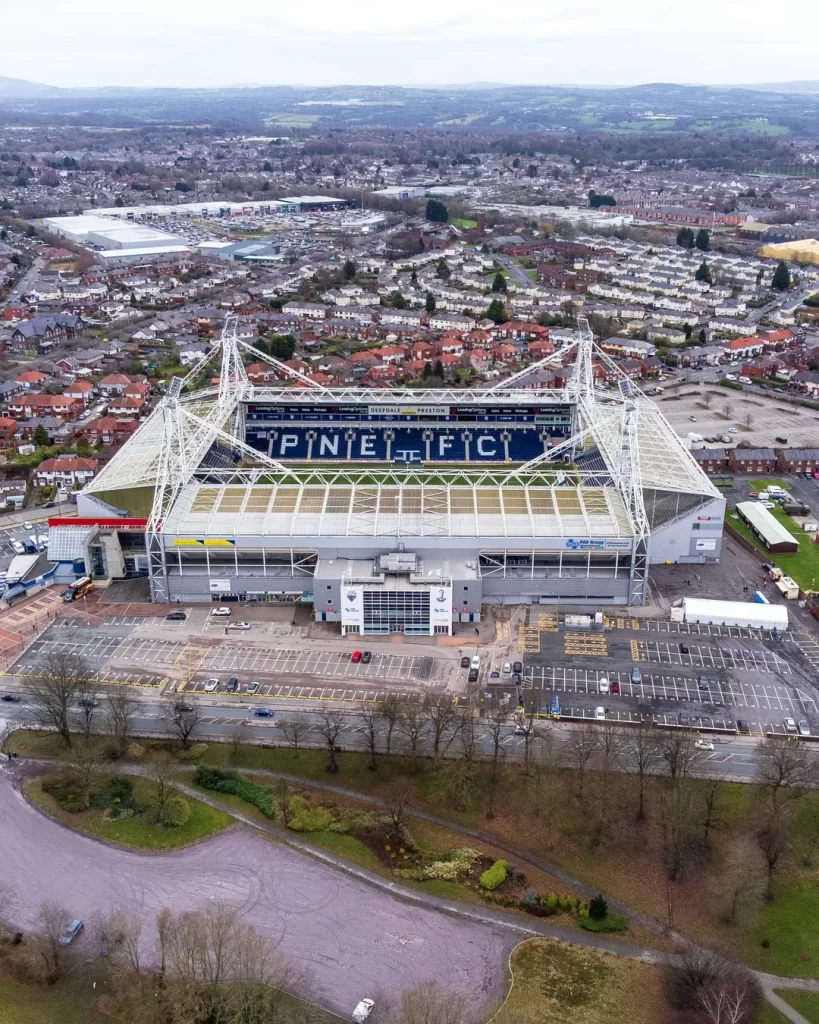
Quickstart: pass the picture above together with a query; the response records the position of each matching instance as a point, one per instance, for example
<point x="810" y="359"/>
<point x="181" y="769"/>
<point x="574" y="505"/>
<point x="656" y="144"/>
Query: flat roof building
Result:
<point x="767" y="528"/>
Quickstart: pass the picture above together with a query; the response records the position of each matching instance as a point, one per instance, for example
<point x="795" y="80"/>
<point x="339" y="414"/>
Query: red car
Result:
<point x="355" y="656"/>
<point x="615" y="687"/>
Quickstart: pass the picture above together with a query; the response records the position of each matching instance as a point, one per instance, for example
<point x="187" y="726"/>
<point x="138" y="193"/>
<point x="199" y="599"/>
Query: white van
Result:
<point x="745" y="380"/>
<point x="730" y="376"/>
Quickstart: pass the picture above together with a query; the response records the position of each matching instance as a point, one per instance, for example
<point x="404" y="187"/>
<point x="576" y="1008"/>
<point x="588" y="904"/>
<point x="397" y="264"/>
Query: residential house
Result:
<point x="31" y="380"/>
<point x="632" y="347"/>
<point x="60" y="406"/>
<point x="109" y="430"/>
<point x="753" y="460"/>
<point x="68" y="471"/>
<point x="798" y="460"/>
<point x="713" y="461"/>
<point x="82" y="389"/>
<point x="450" y="322"/>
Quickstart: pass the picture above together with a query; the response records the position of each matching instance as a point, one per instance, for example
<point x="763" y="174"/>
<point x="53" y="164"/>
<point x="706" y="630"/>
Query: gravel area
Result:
<point x="352" y="940"/>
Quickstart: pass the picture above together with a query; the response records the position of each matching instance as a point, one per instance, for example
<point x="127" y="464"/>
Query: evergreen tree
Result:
<point x="516" y="162"/>
<point x="703" y="240"/>
<point x="496" y="311"/>
<point x="397" y="300"/>
<point x="499" y="284"/>
<point x="429" y="303"/>
<point x="782" y="278"/>
<point x="703" y="273"/>
<point x="41" y="438"/>
<point x="439" y="369"/>
<point x="427" y="372"/>
<point x="442" y="270"/>
<point x="685" y="238"/>
<point x="282" y="346"/>
<point x="701" y="336"/>
<point x="436" y="211"/>
<point x="349" y="270"/>
<point x="414" y="278"/>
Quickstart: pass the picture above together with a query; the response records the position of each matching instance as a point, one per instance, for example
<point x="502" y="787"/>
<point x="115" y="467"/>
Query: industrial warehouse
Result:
<point x="395" y="511"/>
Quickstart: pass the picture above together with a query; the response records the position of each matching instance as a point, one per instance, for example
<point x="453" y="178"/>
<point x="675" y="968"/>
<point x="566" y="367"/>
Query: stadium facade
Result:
<point x="395" y="511"/>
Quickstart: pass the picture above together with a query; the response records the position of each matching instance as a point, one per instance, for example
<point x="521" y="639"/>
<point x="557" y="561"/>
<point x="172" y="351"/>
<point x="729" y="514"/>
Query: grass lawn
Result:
<point x="55" y="1004"/>
<point x="464" y="222"/>
<point x="791" y="924"/>
<point x="803" y="566"/>
<point x="762" y="485"/>
<point x="135" y="833"/>
<point x="554" y="983"/>
<point x="807" y="1003"/>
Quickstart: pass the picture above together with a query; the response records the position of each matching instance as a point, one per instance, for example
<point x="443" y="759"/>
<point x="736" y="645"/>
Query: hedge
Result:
<point x="492" y="877"/>
<point x="232" y="782"/>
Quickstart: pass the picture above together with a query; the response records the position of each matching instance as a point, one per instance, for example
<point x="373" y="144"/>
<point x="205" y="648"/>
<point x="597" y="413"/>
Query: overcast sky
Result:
<point x="156" y="42"/>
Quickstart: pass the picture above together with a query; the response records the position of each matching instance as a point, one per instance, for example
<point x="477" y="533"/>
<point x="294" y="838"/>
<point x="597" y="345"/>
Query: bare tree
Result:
<point x="442" y="715"/>
<point x="711" y="791"/>
<point x="59" y="681"/>
<point x="396" y="803"/>
<point x="715" y="989"/>
<point x="52" y="919"/>
<point x="330" y="727"/>
<point x="281" y="795"/>
<point x="496" y="721"/>
<point x="546" y="759"/>
<point x="85" y="765"/>
<point x="770" y="837"/>
<point x="294" y="728"/>
<point x="371" y="721"/>
<point x="748" y="419"/>
<point x="164" y="928"/>
<point x="413" y="724"/>
<point x="732" y="1000"/>
<point x="87" y="711"/>
<point x="679" y="753"/>
<point x="120" y="934"/>
<point x="182" y="718"/>
<point x="707" y="399"/>
<point x="429" y="1003"/>
<point x="741" y="885"/>
<point x="785" y="768"/>
<point x="162" y="773"/>
<point x="680" y="814"/>
<point x="120" y="708"/>
<point x="611" y="744"/>
<point x="389" y="710"/>
<point x="728" y="409"/>
<point x="645" y="752"/>
<point x="581" y="745"/>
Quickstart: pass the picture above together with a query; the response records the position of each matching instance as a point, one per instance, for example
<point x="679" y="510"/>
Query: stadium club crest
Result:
<point x="441" y="598"/>
<point x="351" y="595"/>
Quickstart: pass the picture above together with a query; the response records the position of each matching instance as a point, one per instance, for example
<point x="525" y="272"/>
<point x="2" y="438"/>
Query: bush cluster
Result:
<point x="305" y="818"/>
<point x="222" y="781"/>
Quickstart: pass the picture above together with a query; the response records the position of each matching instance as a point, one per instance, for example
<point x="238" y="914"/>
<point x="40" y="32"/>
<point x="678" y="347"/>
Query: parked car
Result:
<point x="239" y="625"/>
<point x="232" y="685"/>
<point x="684" y="719"/>
<point x="603" y="685"/>
<point x="220" y="611"/>
<point x="473" y="675"/>
<point x="521" y="730"/>
<point x="743" y="726"/>
<point x="494" y="677"/>
<point x="615" y="687"/>
<point x="600" y="714"/>
<point x="88" y="702"/>
<point x="554" y="706"/>
<point x="72" y="930"/>
<point x="517" y="666"/>
<point x="804" y="728"/>
<point x="475" y="664"/>
<point x="10" y="698"/>
<point x="175" y="617"/>
<point x="211" y="685"/>
<point x="636" y="675"/>
<point x="355" y="657"/>
<point x="184" y="708"/>
<point x="703" y="744"/>
<point x="363" y="1010"/>
<point x="366" y="657"/>
<point x="790" y="725"/>
<point x="465" y="661"/>
<point x="507" y="668"/>
<point x="683" y="648"/>
<point x="516" y="678"/>
<point x="253" y="687"/>
<point x="703" y="684"/>
<point x="263" y="713"/>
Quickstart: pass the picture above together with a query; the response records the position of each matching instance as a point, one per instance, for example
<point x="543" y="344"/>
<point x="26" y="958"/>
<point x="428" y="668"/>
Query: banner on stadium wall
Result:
<point x="206" y="542"/>
<point x="440" y="606"/>
<point x="352" y="606"/>
<point x="219" y="586"/>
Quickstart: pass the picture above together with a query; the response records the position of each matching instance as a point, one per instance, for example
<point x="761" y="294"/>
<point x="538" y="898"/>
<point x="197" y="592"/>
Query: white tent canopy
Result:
<point x="736" y="613"/>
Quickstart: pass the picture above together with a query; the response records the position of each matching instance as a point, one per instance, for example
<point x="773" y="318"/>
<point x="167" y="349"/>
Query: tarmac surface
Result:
<point x="352" y="940"/>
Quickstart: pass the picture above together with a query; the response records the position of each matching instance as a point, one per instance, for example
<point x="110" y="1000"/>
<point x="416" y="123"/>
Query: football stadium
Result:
<point x="395" y="510"/>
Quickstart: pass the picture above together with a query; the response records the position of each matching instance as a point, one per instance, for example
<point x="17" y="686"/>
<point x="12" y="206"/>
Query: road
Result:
<point x="516" y="272"/>
<point x="353" y="940"/>
<point x="26" y="281"/>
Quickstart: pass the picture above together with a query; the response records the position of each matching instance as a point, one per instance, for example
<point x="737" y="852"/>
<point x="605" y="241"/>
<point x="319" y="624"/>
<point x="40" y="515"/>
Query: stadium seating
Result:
<point x="399" y="444"/>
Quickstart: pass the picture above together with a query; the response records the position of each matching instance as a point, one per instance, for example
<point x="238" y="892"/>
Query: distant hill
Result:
<point x="21" y="88"/>
<point x="794" y="87"/>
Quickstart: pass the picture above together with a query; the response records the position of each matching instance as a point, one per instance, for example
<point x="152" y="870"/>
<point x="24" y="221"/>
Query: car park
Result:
<point x="600" y="714"/>
<point x="703" y="744"/>
<point x="366" y="657"/>
<point x="804" y="728"/>
<point x="465" y="661"/>
<point x="790" y="725"/>
<point x="220" y="611"/>
<point x="211" y="685"/>
<point x="72" y="930"/>
<point x="239" y="625"/>
<point x="175" y="617"/>
<point x="253" y="687"/>
<point x="263" y="713"/>
<point x="232" y="685"/>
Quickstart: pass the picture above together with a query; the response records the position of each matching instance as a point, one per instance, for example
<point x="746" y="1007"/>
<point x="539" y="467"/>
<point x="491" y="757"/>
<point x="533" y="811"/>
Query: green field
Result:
<point x="803" y="566"/>
<point x="806" y="1003"/>
<point x="464" y="222"/>
<point x="58" y="1004"/>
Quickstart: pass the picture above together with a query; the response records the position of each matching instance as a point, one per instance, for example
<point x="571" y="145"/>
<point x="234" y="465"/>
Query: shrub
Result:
<point x="442" y="870"/>
<point x="355" y="821"/>
<point x="598" y="908"/>
<point x="239" y="785"/>
<point x="66" y="791"/>
<point x="305" y="818"/>
<point x="494" y="876"/>
<point x="610" y="923"/>
<point x="194" y="752"/>
<point x="135" y="751"/>
<point x="530" y="900"/>
<point x="552" y="902"/>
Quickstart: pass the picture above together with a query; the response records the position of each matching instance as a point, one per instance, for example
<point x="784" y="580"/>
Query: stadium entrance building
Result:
<point x="404" y="511"/>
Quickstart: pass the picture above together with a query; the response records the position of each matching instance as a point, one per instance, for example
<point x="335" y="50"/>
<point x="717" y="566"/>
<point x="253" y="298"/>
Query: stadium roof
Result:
<point x="294" y="509"/>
